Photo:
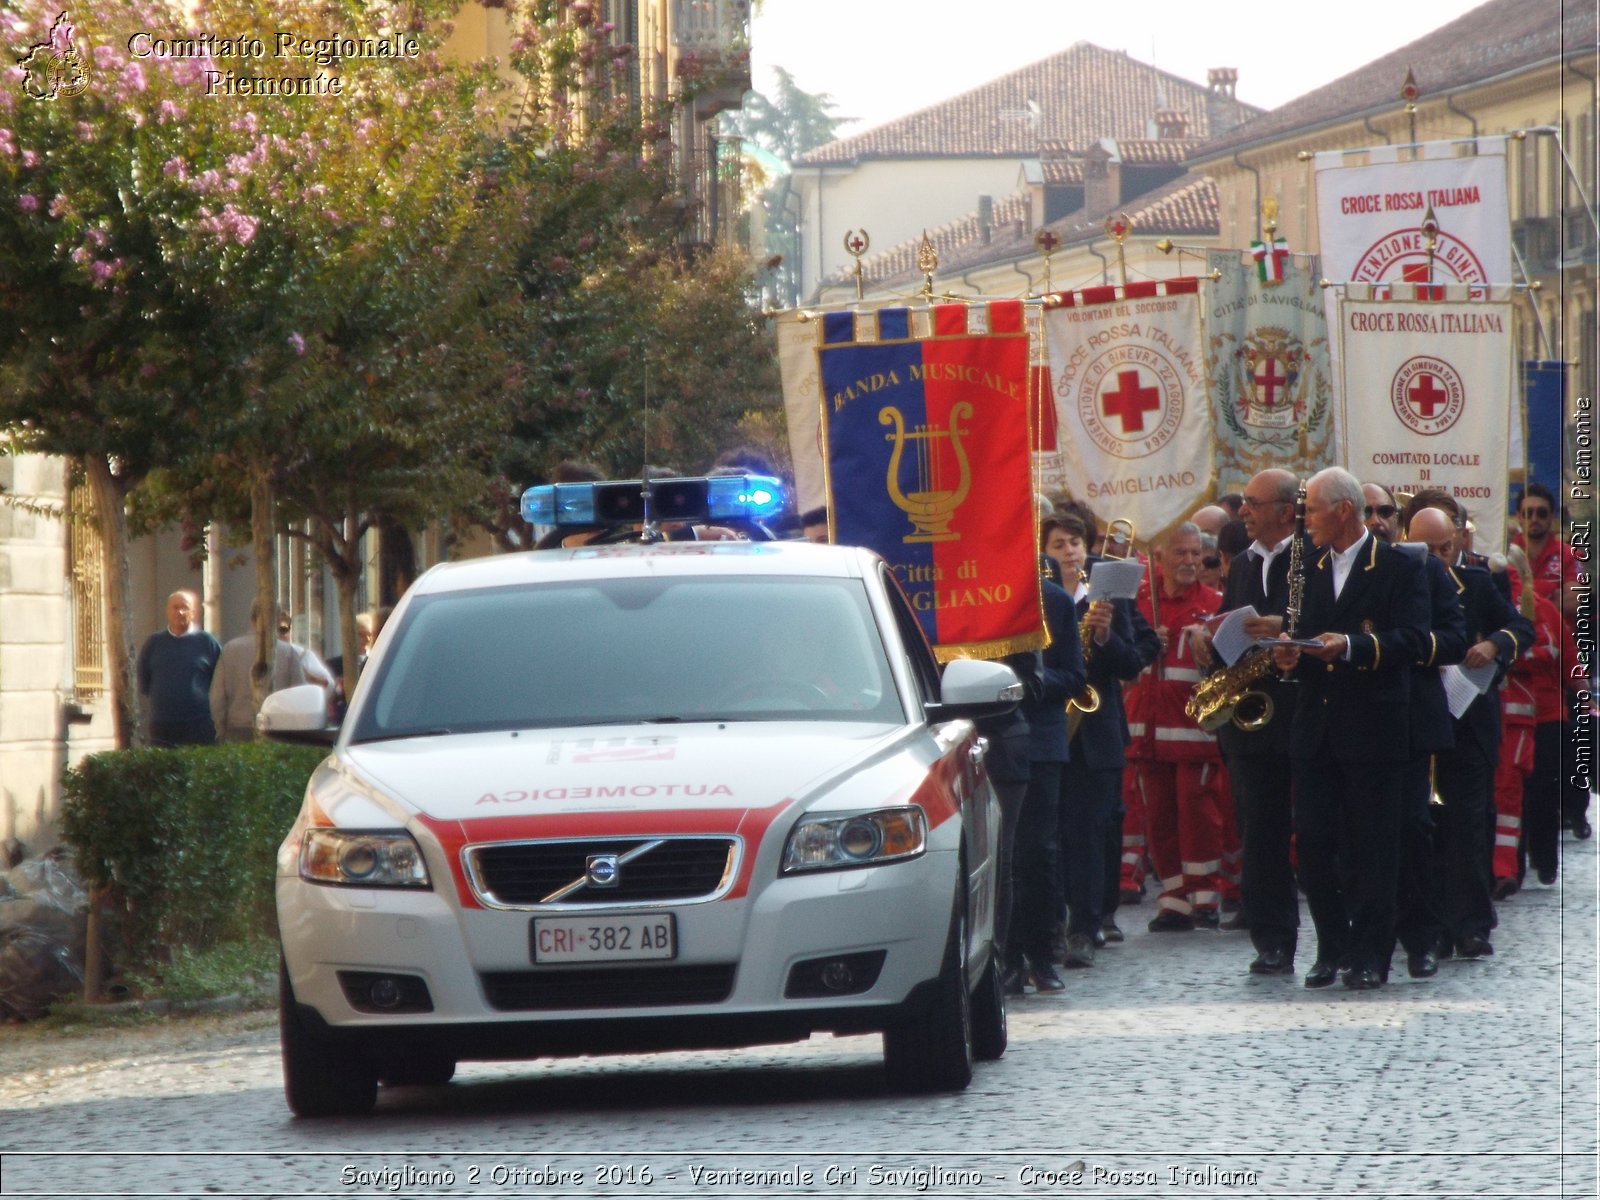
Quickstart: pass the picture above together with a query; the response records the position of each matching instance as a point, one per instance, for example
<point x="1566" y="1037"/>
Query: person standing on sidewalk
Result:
<point x="174" y="676"/>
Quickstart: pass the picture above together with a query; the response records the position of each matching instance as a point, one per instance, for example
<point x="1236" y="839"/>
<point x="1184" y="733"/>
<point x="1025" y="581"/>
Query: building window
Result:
<point x="85" y="561"/>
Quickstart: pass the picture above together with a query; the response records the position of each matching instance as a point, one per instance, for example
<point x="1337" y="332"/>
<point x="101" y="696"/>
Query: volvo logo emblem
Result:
<point x="600" y="870"/>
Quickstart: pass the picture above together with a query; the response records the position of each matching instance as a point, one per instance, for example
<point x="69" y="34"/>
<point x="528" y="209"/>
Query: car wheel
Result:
<point x="319" y="1079"/>
<point x="932" y="1052"/>
<point x="989" y="1033"/>
<point x="419" y="1070"/>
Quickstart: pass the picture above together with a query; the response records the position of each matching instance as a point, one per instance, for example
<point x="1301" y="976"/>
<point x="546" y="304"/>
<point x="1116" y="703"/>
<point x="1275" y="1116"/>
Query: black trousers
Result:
<point x="1347" y="823"/>
<point x="1460" y="856"/>
<point x="1418" y="924"/>
<point x="1011" y="796"/>
<point x="199" y="732"/>
<point x="1089" y="798"/>
<point x="1262" y="799"/>
<point x="1034" y="912"/>
<point x="1541" y="798"/>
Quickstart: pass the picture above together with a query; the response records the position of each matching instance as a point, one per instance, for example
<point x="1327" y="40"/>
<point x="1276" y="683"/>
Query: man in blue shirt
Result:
<point x="174" y="676"/>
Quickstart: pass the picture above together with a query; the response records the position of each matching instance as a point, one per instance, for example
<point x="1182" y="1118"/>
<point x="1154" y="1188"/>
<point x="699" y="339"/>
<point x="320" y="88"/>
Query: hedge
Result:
<point x="184" y="841"/>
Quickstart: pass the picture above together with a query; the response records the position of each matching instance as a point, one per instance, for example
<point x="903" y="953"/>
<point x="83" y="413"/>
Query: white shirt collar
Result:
<point x="1263" y="551"/>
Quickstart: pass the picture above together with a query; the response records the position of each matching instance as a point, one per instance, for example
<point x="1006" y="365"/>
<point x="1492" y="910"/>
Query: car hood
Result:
<point x="755" y="765"/>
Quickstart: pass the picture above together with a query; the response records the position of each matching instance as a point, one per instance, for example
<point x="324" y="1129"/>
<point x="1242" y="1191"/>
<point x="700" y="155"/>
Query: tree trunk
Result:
<point x="110" y="503"/>
<point x="263" y="523"/>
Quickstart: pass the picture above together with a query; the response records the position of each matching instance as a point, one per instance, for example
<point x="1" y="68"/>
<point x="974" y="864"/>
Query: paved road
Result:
<point x="1164" y="1071"/>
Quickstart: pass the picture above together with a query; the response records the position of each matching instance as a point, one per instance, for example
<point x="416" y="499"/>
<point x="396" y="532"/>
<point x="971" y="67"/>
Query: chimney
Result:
<point x="985" y="219"/>
<point x="1102" y="187"/>
<point x="1171" y="124"/>
<point x="1222" y="111"/>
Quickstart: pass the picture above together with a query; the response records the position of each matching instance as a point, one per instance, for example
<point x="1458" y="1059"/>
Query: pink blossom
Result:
<point x="85" y="131"/>
<point x="170" y="111"/>
<point x="59" y="205"/>
<point x="102" y="270"/>
<point x="299" y="343"/>
<point x="147" y="371"/>
<point x="30" y="158"/>
<point x="133" y="76"/>
<point x="28" y="203"/>
<point x="175" y="168"/>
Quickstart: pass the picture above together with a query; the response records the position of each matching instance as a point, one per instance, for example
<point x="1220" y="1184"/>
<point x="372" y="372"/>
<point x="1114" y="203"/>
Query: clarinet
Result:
<point x="1297" y="573"/>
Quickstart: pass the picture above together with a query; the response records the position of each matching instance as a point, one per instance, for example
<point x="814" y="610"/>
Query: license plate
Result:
<point x="603" y="939"/>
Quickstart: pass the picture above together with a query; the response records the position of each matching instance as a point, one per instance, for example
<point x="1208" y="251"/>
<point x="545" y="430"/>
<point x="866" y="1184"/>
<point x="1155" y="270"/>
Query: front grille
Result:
<point x="521" y="873"/>
<point x="608" y="987"/>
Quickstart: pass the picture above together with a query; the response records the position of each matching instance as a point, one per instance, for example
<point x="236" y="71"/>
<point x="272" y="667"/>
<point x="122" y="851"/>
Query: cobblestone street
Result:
<point x="1164" y="1070"/>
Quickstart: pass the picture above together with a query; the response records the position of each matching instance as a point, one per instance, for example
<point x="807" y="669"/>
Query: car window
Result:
<point x="919" y="655"/>
<point x="751" y="648"/>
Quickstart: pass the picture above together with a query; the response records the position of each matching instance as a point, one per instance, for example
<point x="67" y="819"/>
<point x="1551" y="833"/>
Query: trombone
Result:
<point x="1088" y="700"/>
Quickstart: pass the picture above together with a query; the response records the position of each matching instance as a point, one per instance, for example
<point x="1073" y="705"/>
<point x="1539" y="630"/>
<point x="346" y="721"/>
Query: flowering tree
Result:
<point x="206" y="282"/>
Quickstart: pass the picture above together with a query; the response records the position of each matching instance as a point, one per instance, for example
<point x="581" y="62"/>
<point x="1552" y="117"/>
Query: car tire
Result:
<point x="989" y="1029"/>
<point x="932" y="1052"/>
<point x="319" y="1079"/>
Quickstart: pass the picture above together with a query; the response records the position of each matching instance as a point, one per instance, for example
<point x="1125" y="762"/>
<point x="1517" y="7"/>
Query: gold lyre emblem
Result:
<point x="932" y="506"/>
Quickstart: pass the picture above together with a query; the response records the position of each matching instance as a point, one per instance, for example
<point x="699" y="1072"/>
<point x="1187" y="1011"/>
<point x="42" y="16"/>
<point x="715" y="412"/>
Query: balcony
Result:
<point x="712" y="40"/>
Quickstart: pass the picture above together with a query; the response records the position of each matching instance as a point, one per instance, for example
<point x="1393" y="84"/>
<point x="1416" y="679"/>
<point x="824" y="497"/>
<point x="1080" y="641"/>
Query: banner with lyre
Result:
<point x="925" y="440"/>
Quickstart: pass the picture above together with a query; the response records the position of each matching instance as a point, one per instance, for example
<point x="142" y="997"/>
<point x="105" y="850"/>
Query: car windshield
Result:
<point x="622" y="651"/>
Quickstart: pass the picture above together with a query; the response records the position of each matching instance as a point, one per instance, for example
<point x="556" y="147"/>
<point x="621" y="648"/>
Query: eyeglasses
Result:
<point x="1536" y="512"/>
<point x="1386" y="511"/>
<point x="1252" y="502"/>
<point x="1211" y="564"/>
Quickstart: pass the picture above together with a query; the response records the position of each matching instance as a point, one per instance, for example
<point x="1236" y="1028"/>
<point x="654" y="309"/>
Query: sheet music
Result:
<point x="1229" y="640"/>
<point x="1115" y="579"/>
<point x="1463" y="685"/>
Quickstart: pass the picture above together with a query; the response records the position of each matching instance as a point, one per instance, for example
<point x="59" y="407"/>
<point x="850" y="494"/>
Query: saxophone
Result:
<point x="1088" y="700"/>
<point x="1226" y="695"/>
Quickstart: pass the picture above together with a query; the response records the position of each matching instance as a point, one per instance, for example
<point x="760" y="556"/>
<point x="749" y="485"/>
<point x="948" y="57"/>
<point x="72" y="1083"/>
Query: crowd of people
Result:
<point x="1394" y="755"/>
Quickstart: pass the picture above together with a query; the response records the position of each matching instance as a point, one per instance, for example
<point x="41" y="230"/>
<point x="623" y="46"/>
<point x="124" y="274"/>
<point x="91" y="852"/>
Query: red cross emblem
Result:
<point x="856" y="243"/>
<point x="1426" y="395"/>
<point x="1130" y="401"/>
<point x="1269" y="381"/>
<point x="1047" y="241"/>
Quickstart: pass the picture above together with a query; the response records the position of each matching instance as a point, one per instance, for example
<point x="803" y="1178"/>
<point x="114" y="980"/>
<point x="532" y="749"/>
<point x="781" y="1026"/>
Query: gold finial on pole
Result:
<point x="927" y="263"/>
<point x="1269" y="219"/>
<point x="1430" y="238"/>
<point x="856" y="242"/>
<point x="1409" y="92"/>
<point x="1048" y="242"/>
<point x="1118" y="227"/>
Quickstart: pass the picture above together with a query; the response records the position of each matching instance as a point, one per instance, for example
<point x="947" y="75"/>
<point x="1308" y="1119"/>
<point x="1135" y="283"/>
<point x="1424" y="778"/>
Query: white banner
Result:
<point x="1134" y="428"/>
<point x="802" y="402"/>
<point x="1426" y="396"/>
<point x="1267" y="367"/>
<point x="1371" y="205"/>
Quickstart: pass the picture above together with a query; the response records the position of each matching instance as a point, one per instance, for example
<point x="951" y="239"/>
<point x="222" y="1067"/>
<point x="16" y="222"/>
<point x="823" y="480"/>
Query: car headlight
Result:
<point x="827" y="843"/>
<point x="362" y="859"/>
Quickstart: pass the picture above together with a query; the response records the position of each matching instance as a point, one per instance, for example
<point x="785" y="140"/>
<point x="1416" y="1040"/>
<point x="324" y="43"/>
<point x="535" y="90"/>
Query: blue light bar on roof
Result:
<point x="617" y="502"/>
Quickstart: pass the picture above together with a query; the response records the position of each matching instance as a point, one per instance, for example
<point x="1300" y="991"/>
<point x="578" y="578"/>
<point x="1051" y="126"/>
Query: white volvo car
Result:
<point x="642" y="797"/>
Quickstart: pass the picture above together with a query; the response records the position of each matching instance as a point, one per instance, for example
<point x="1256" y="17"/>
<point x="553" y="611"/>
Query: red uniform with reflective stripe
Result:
<point x="1157" y="724"/>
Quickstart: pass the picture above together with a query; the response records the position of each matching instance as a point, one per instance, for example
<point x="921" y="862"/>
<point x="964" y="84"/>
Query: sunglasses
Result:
<point x="1386" y="511"/>
<point x="1212" y="563"/>
<point x="1536" y="512"/>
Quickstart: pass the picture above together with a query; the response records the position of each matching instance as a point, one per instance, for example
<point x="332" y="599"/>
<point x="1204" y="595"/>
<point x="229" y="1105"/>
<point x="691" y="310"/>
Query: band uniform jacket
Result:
<point x="1489" y="616"/>
<point x="1432" y="728"/>
<point x="1103" y="734"/>
<point x="1355" y="711"/>
<point x="1242" y="587"/>
<point x="1063" y="678"/>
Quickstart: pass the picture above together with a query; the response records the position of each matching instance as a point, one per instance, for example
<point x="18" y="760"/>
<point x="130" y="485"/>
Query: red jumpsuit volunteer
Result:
<point x="1176" y="768"/>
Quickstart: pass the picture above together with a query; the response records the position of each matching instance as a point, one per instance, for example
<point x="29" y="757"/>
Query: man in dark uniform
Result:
<point x="1366" y="606"/>
<point x="1258" y="758"/>
<point x="1091" y="783"/>
<point x="1497" y="633"/>
<point x="1418" y="924"/>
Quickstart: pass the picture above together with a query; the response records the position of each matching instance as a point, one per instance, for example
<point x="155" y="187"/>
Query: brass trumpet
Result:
<point x="1088" y="700"/>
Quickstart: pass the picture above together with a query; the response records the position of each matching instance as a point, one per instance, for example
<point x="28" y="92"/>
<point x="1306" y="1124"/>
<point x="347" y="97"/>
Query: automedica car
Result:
<point x="629" y="798"/>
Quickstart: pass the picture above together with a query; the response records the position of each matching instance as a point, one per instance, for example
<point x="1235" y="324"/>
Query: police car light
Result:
<point x="619" y="502"/>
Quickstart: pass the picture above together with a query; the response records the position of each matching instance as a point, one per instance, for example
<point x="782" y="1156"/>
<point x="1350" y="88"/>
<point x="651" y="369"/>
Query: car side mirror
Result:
<point x="297" y="714"/>
<point x="972" y="689"/>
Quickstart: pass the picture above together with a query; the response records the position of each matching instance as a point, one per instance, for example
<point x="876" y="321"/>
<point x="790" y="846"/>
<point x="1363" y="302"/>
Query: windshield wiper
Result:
<point x="396" y="737"/>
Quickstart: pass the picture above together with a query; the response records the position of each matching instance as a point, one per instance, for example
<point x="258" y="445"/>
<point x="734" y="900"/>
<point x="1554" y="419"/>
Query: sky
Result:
<point x="881" y="59"/>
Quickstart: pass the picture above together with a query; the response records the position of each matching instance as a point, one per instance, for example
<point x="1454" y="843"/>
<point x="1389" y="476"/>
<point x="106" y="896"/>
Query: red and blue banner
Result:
<point x="926" y="453"/>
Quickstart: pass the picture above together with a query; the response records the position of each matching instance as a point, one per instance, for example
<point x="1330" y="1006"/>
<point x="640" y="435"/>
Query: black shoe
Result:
<point x="1321" y="974"/>
<point x="1079" y="951"/>
<point x="1167" y="921"/>
<point x="1098" y="938"/>
<point x="1547" y="876"/>
<point x="1474" y="947"/>
<point x="1235" y="922"/>
<point x="1506" y="888"/>
<point x="1045" y="978"/>
<point x="1362" y="980"/>
<point x="1581" y="829"/>
<point x="1206" y="918"/>
<point x="1132" y="895"/>
<point x="1012" y="982"/>
<point x="1111" y="931"/>
<point x="1273" y="962"/>
<point x="1422" y="966"/>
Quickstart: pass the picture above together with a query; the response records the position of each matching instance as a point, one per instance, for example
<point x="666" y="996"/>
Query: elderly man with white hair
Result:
<point x="1365" y="605"/>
